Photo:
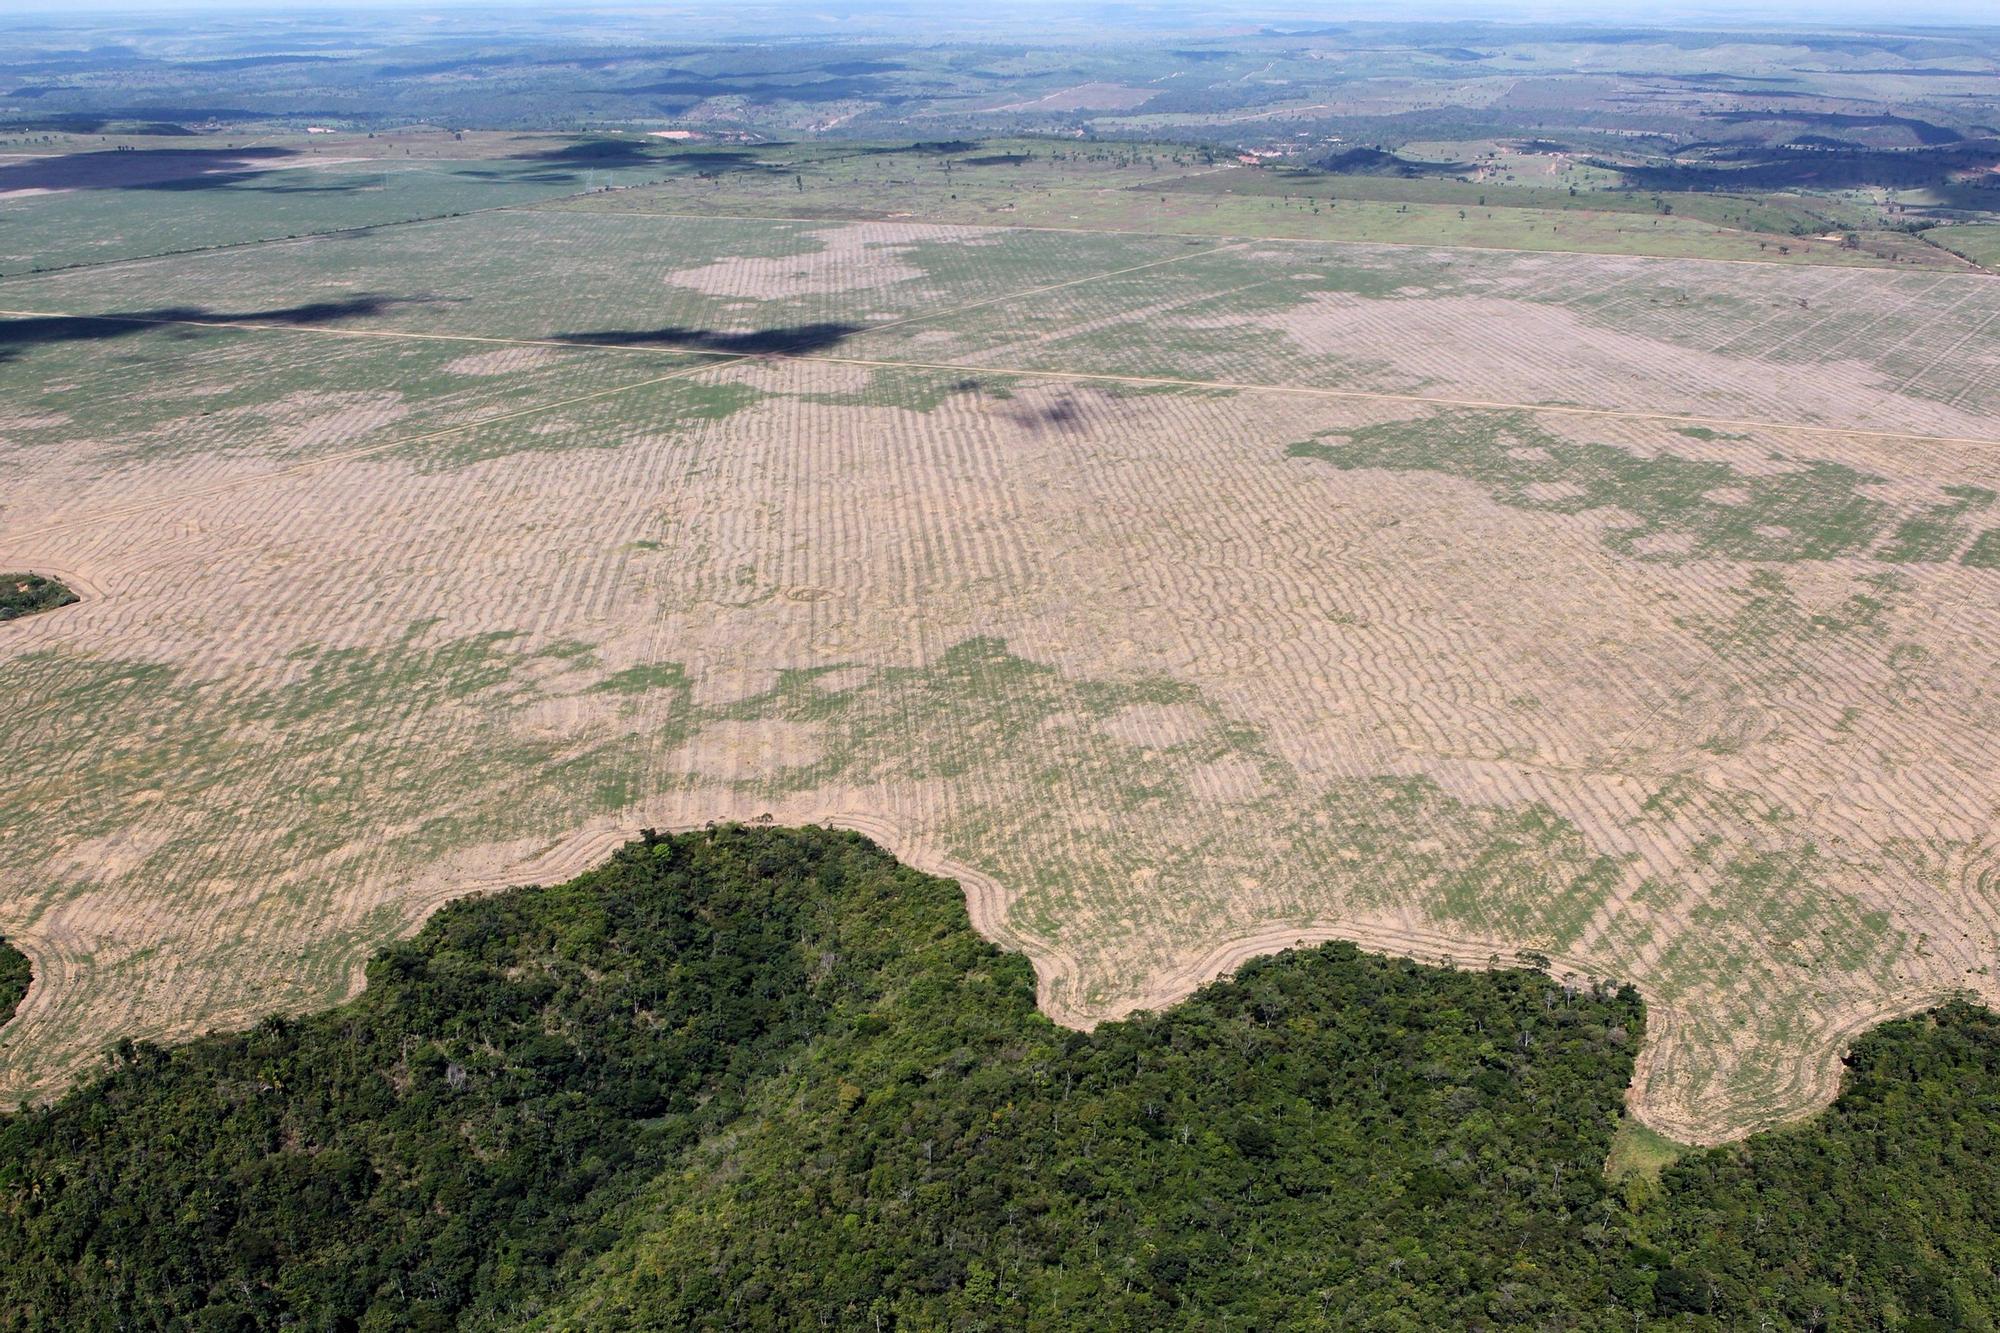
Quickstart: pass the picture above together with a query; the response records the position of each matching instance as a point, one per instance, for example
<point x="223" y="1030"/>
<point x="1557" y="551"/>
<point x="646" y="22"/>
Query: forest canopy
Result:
<point x="767" y="1078"/>
<point x="25" y="594"/>
<point x="14" y="977"/>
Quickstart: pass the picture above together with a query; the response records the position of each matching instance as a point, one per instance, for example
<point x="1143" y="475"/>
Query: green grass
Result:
<point x="1144" y="187"/>
<point x="1940" y="531"/>
<point x="1979" y="242"/>
<point x="184" y="393"/>
<point x="94" y="226"/>
<point x="1818" y="512"/>
<point x="1010" y="738"/>
<point x="644" y="679"/>
<point x="629" y="280"/>
<point x="1984" y="553"/>
<point x="1769" y="622"/>
<point x="1637" y="1151"/>
<point x="85" y="730"/>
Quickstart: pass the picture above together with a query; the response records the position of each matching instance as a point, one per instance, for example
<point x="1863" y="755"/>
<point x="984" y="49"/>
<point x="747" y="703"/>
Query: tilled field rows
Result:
<point x="1906" y="353"/>
<point x="1173" y="672"/>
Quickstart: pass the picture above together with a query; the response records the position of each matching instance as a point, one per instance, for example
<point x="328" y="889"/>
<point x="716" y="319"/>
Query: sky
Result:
<point x="813" y="14"/>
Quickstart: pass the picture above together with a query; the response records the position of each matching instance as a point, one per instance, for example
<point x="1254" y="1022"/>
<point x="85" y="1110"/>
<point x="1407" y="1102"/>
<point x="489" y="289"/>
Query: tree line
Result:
<point x="766" y="1078"/>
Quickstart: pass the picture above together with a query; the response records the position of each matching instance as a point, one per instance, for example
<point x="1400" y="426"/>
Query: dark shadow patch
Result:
<point x="928" y="147"/>
<point x="41" y="330"/>
<point x="704" y="162"/>
<point x="592" y="150"/>
<point x="1752" y="167"/>
<point x="97" y="125"/>
<point x="626" y="152"/>
<point x="458" y="64"/>
<point x="1059" y="414"/>
<point x="1925" y="132"/>
<point x="143" y="169"/>
<point x="530" y="177"/>
<point x="155" y="119"/>
<point x="794" y="340"/>
<point x="1376" y="162"/>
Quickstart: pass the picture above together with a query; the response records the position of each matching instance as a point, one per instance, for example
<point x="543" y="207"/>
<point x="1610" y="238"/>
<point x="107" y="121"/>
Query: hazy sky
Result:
<point x="814" y="14"/>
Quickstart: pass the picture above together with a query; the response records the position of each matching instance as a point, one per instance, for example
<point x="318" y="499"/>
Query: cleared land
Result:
<point x="71" y="201"/>
<point x="1186" y="597"/>
<point x="1168" y="188"/>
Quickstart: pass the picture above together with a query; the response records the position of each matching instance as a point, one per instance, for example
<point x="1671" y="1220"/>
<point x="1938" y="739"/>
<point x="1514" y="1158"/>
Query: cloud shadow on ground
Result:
<point x="151" y="169"/>
<point x="794" y="340"/>
<point x="27" y="331"/>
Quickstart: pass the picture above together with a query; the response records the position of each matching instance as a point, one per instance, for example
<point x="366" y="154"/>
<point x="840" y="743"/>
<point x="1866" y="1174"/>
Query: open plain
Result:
<point x="1186" y="596"/>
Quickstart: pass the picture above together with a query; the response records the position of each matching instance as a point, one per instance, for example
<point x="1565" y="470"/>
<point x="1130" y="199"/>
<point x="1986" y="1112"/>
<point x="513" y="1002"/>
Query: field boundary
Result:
<point x="1971" y="271"/>
<point x="349" y="455"/>
<point x="715" y="359"/>
<point x="552" y="205"/>
<point x="1058" y="973"/>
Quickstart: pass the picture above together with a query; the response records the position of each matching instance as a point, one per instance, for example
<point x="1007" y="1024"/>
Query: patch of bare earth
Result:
<point x="849" y="258"/>
<point x="1160" y="695"/>
<point x="502" y="361"/>
<point x="1500" y="349"/>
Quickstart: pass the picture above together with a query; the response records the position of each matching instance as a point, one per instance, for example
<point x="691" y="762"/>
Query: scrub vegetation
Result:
<point x="25" y="594"/>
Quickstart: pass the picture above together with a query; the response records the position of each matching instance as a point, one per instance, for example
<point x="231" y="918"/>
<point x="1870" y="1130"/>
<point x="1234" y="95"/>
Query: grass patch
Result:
<point x="1984" y="553"/>
<point x="644" y="679"/>
<point x="1637" y="1151"/>
<point x="1816" y="512"/>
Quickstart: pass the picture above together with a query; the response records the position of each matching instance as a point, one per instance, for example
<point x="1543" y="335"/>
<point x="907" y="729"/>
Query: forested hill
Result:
<point x="760" y="1078"/>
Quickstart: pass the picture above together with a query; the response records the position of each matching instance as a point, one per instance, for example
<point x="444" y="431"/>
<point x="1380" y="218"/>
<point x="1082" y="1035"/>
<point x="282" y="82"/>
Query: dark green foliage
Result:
<point x="764" y="1078"/>
<point x="1330" y="1134"/>
<point x="25" y="594"/>
<point x="453" y="1141"/>
<point x="15" y="975"/>
<point x="1882" y="1213"/>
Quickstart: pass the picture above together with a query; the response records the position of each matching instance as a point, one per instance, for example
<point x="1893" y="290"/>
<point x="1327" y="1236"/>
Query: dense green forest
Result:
<point x="765" y="1078"/>
<point x="14" y="977"/>
<point x="25" y="594"/>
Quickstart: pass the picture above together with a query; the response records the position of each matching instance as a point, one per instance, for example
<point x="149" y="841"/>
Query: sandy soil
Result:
<point x="1160" y="695"/>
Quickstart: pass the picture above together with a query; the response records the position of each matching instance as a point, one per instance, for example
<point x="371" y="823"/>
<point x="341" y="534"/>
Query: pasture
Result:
<point x="1186" y="596"/>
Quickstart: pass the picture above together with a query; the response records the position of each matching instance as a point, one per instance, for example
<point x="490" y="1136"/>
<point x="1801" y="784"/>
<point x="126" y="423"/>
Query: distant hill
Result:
<point x="1380" y="162"/>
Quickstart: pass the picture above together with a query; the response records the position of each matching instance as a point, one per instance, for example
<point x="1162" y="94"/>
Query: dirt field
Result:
<point x="1185" y="600"/>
